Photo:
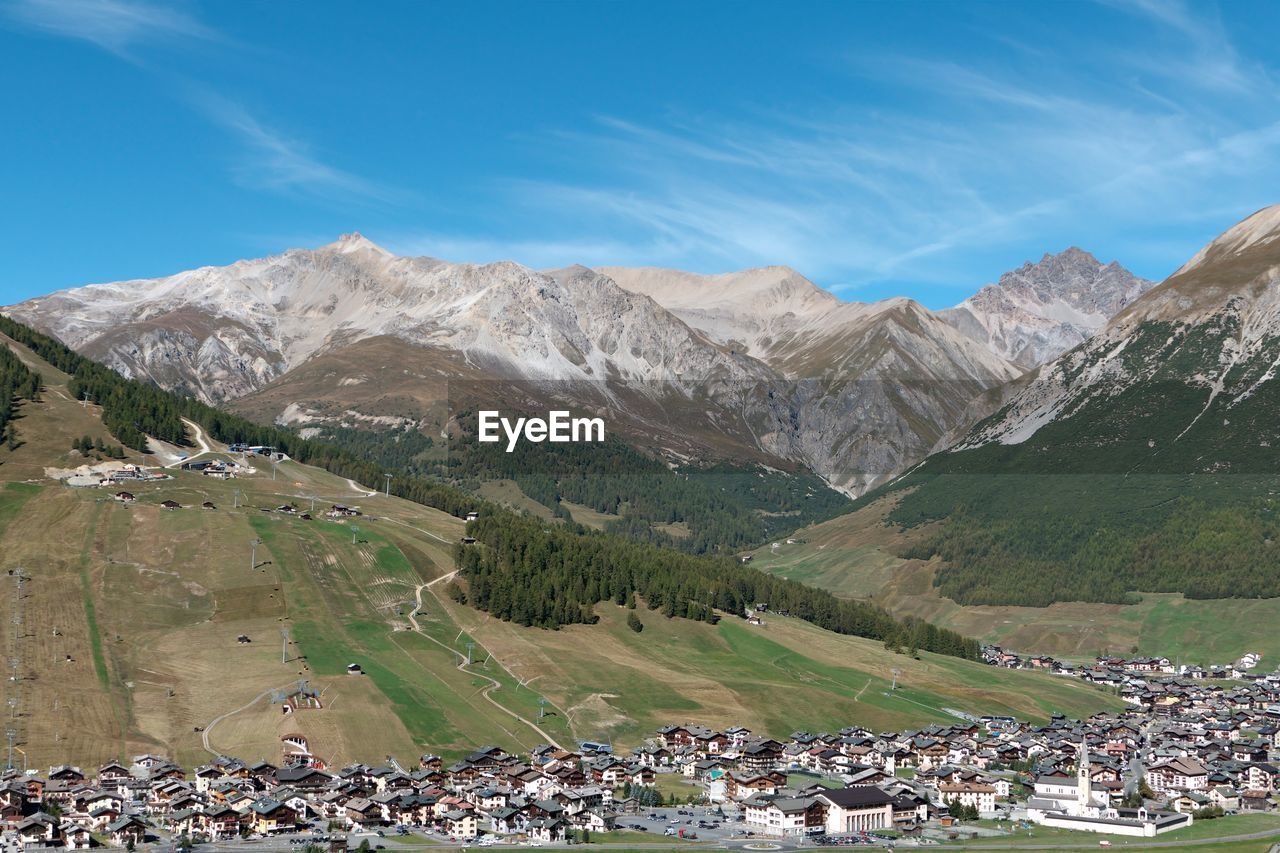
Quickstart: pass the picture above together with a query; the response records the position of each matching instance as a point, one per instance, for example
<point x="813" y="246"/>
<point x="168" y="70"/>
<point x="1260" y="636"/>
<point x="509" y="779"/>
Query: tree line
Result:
<point x="722" y="507"/>
<point x="17" y="382"/>
<point x="548" y="576"/>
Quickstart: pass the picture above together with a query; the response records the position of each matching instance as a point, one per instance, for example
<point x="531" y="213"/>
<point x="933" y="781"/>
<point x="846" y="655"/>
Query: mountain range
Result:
<point x="759" y="366"/>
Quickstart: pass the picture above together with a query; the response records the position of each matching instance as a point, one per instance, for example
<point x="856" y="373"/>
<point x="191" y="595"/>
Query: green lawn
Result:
<point x="854" y="555"/>
<point x="674" y="784"/>
<point x="1209" y="631"/>
<point x="1204" y="830"/>
<point x="1242" y="824"/>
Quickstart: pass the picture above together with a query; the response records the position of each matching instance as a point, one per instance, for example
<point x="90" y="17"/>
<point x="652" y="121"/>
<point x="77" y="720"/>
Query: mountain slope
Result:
<point x="148" y="604"/>
<point x="1031" y="315"/>
<point x="1181" y="378"/>
<point x="1142" y="460"/>
<point x="225" y="331"/>
<point x="875" y="385"/>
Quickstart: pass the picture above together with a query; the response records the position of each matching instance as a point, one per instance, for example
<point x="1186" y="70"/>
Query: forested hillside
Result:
<point x="1168" y="484"/>
<point x="17" y="383"/>
<point x="723" y="508"/>
<point x="524" y="570"/>
<point x="535" y="575"/>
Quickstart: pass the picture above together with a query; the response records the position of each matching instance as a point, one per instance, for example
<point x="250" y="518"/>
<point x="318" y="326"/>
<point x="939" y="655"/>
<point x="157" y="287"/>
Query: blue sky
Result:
<point x="879" y="148"/>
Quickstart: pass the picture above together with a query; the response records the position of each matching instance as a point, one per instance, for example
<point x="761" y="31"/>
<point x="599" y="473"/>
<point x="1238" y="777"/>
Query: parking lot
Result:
<point x="696" y="822"/>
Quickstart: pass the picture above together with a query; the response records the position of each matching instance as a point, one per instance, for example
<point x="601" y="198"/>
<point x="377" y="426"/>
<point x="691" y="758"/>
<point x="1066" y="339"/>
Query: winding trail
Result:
<point x="494" y="684"/>
<point x="204" y="735"/>
<point x="436" y="536"/>
<point x="201" y="441"/>
<point x="362" y="491"/>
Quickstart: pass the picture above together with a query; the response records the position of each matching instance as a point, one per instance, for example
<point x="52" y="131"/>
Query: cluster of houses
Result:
<point x="1133" y="773"/>
<point x="539" y="796"/>
<point x="171" y="505"/>
<point x="115" y="475"/>
<point x="130" y="473"/>
<point x="1130" y="773"/>
<point x="336" y="511"/>
<point x="1117" y="670"/>
<point x="1162" y="688"/>
<point x="258" y="450"/>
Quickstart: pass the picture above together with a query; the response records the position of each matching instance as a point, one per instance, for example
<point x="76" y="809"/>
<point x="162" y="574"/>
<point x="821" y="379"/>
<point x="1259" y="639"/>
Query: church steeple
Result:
<point x="1084" y="794"/>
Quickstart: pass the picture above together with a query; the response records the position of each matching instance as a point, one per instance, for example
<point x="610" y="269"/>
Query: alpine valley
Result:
<point x="1072" y="461"/>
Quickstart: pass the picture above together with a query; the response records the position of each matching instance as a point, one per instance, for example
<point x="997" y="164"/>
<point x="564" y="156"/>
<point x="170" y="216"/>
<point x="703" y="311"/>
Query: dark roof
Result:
<point x="293" y="774"/>
<point x="862" y="795"/>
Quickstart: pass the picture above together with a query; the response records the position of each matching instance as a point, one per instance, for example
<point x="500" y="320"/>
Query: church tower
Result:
<point x="1084" y="791"/>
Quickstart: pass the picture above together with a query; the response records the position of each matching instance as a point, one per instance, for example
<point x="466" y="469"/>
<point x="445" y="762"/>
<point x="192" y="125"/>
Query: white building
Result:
<point x="863" y="808"/>
<point x="982" y="797"/>
<point x="1054" y="804"/>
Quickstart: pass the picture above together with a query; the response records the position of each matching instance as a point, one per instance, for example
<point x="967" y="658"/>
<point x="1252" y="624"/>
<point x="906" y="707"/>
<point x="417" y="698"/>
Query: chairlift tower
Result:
<point x="253" y="553"/>
<point x="284" y="645"/>
<point x="542" y="707"/>
<point x="471" y="647"/>
<point x="896" y="672"/>
<point x="387" y="491"/>
<point x="14" y="684"/>
<point x="355" y="534"/>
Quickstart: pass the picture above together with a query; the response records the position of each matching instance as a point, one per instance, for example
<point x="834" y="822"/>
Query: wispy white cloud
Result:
<point x="271" y="160"/>
<point x="118" y="26"/>
<point x="983" y="154"/>
<point x="1208" y="58"/>
<point x="266" y="158"/>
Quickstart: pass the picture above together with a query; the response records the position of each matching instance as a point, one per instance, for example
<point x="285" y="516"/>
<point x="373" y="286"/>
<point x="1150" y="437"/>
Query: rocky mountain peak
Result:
<point x="1237" y="272"/>
<point x="356" y="242"/>
<point x="1036" y="312"/>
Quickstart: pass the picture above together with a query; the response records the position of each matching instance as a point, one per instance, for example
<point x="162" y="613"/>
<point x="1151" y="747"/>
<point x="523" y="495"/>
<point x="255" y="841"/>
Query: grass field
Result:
<point x="1206" y="831"/>
<point x="853" y="556"/>
<point x="508" y="493"/>
<point x="587" y="516"/>
<point x="785" y="675"/>
<point x="1243" y="824"/>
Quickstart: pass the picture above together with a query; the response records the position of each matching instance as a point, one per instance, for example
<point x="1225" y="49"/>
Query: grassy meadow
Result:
<point x="854" y="556"/>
